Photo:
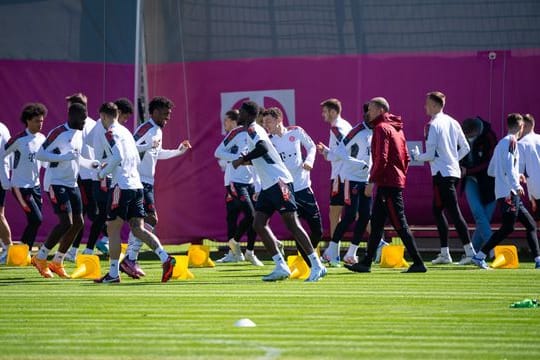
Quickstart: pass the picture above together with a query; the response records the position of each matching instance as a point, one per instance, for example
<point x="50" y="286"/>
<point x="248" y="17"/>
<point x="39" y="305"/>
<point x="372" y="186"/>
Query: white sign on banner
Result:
<point x="283" y="99"/>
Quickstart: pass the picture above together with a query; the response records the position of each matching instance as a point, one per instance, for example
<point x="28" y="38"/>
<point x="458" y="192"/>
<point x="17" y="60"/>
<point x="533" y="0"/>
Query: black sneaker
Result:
<point x="416" y="268"/>
<point x="358" y="267"/>
<point x="108" y="279"/>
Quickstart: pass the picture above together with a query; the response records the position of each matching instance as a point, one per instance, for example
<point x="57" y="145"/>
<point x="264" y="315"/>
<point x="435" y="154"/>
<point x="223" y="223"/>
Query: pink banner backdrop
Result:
<point x="50" y="82"/>
<point x="189" y="189"/>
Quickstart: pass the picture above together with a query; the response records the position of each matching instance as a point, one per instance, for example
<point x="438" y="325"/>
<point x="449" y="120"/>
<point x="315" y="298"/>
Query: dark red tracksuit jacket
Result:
<point x="389" y="152"/>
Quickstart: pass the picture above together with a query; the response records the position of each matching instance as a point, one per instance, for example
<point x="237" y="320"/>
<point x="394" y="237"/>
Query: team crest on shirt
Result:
<point x="292" y="138"/>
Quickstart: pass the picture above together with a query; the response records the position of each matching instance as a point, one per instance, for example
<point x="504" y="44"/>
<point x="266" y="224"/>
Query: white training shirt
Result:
<point x="289" y="147"/>
<point x="122" y="158"/>
<point x="4" y="138"/>
<point x="58" y="146"/>
<point x="25" y="169"/>
<point x="445" y="146"/>
<point x="337" y="133"/>
<point x="269" y="167"/>
<point x="504" y="167"/>
<point x="145" y="136"/>
<point x="234" y="144"/>
<point x="87" y="150"/>
<point x="355" y="152"/>
<point x="529" y="162"/>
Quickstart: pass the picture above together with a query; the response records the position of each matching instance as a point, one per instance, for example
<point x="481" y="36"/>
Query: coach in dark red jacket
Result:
<point x="390" y="163"/>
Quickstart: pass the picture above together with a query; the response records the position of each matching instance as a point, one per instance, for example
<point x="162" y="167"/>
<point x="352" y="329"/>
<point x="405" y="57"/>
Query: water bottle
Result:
<point x="526" y="303"/>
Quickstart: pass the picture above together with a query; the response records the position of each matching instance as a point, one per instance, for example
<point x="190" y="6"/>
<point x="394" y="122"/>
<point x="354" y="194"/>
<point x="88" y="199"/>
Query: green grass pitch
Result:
<point x="451" y="312"/>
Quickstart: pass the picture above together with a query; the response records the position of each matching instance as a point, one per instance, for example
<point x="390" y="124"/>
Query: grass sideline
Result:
<point x="449" y="312"/>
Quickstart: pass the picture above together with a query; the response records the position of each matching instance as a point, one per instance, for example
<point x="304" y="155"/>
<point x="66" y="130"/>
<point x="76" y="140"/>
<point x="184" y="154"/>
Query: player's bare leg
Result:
<point x="302" y="239"/>
<point x="260" y="224"/>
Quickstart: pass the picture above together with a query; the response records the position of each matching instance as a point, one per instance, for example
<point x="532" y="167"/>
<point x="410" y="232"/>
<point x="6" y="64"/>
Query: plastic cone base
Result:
<point x="181" y="270"/>
<point x="392" y="257"/>
<point x="506" y="257"/>
<point x="87" y="267"/>
<point x="18" y="255"/>
<point x="299" y="268"/>
<point x="199" y="256"/>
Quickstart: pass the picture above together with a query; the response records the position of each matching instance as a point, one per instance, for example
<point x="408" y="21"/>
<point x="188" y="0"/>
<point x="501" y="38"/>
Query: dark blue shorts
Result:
<point x="149" y="200"/>
<point x="307" y="204"/>
<point x="125" y="204"/>
<point x="279" y="197"/>
<point x="65" y="199"/>
<point x="101" y="190"/>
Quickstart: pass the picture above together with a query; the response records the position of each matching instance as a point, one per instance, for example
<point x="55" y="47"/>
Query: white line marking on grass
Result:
<point x="271" y="353"/>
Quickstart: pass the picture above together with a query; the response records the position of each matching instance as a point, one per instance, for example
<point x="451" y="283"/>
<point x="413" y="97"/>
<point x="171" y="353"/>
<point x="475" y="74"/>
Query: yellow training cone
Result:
<point x="299" y="268"/>
<point x="506" y="257"/>
<point x="87" y="267"/>
<point x="180" y="270"/>
<point x="18" y="255"/>
<point x="199" y="256"/>
<point x="123" y="252"/>
<point x="392" y="257"/>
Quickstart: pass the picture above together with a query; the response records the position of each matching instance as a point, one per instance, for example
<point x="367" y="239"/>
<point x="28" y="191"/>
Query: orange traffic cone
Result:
<point x="392" y="257"/>
<point x="506" y="257"/>
<point x="18" y="255"/>
<point x="180" y="270"/>
<point x="199" y="256"/>
<point x="87" y="267"/>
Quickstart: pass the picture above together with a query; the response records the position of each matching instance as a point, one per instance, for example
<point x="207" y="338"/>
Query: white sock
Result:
<point x="43" y="253"/>
<point x="537" y="259"/>
<point x="278" y="259"/>
<point x="58" y="257"/>
<point x="114" y="268"/>
<point x="480" y="255"/>
<point x="352" y="250"/>
<point x="163" y="255"/>
<point x="88" y="251"/>
<point x="73" y="250"/>
<point x="445" y="251"/>
<point x="469" y="250"/>
<point x="134" y="247"/>
<point x="315" y="261"/>
<point x="4" y="246"/>
<point x="250" y="252"/>
<point x="333" y="249"/>
<point x="382" y="242"/>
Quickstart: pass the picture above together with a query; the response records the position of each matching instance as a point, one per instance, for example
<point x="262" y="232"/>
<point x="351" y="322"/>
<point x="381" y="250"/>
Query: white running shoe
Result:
<point x="252" y="258"/>
<point x="442" y="259"/>
<point x="350" y="259"/>
<point x="316" y="274"/>
<point x="228" y="258"/>
<point x="465" y="260"/>
<point x="481" y="263"/>
<point x="236" y="250"/>
<point x="279" y="273"/>
<point x="71" y="255"/>
<point x="330" y="259"/>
